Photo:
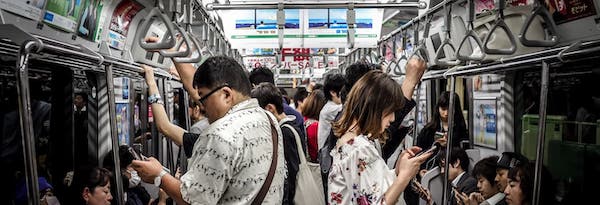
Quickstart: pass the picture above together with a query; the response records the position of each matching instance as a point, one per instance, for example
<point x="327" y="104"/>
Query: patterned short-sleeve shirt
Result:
<point x="231" y="159"/>
<point x="359" y="175"/>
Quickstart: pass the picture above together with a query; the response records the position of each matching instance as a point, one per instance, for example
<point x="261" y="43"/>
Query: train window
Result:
<point x="572" y="133"/>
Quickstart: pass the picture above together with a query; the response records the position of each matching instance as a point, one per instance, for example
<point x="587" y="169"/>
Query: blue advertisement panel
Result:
<point x="123" y="123"/>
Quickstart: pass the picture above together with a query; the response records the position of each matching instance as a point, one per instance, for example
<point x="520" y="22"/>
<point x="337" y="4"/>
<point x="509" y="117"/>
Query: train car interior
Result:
<point x="522" y="75"/>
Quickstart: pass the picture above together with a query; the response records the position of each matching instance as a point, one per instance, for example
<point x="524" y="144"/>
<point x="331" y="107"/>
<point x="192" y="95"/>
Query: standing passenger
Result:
<point x="359" y="175"/>
<point x="332" y="87"/>
<point x="312" y="107"/>
<point x="269" y="98"/>
<point x="232" y="157"/>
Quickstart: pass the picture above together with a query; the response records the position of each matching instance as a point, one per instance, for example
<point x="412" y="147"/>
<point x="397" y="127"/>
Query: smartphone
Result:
<point x="136" y="155"/>
<point x="439" y="135"/>
<point x="433" y="148"/>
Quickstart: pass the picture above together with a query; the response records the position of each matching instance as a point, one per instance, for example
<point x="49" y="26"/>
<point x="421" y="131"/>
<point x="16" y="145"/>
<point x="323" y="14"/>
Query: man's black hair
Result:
<point x="300" y="95"/>
<point x="456" y="153"/>
<point x="261" y="74"/>
<point x="267" y="93"/>
<point x="218" y="70"/>
<point x="354" y="72"/>
<point x="333" y="82"/>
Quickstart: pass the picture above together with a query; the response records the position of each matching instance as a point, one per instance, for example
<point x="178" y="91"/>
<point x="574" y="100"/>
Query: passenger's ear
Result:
<point x="86" y="194"/>
<point x="228" y="94"/>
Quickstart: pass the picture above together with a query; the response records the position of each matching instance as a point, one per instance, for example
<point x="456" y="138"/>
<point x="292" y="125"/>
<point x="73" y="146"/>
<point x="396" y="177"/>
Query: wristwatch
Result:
<point x="155" y="98"/>
<point x="158" y="178"/>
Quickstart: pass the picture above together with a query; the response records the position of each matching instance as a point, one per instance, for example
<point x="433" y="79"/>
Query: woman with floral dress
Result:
<point x="359" y="175"/>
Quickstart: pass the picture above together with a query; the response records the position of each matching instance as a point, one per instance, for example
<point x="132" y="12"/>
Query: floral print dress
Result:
<point x="359" y="175"/>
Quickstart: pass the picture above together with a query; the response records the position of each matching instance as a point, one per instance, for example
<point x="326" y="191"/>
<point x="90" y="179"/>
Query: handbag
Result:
<point x="265" y="187"/>
<point x="309" y="185"/>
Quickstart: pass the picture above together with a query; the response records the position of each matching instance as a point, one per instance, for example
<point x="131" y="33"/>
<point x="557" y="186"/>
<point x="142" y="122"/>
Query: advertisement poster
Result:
<point x="121" y="89"/>
<point x="308" y="28"/>
<point x="31" y="9"/>
<point x="256" y="62"/>
<point x="123" y="122"/>
<point x="89" y="21"/>
<point x="329" y="28"/>
<point x="64" y="14"/>
<point x="120" y="22"/>
<point x="568" y="10"/>
<point x="484" y="122"/>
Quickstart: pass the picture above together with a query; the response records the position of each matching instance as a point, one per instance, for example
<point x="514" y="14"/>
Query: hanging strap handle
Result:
<point x="502" y="25"/>
<point x="470" y="34"/>
<point x="540" y="10"/>
<point x="265" y="187"/>
<point x="438" y="54"/>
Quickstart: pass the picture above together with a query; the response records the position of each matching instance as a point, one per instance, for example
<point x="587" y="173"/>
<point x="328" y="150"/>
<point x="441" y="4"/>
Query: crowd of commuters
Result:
<point x="242" y="147"/>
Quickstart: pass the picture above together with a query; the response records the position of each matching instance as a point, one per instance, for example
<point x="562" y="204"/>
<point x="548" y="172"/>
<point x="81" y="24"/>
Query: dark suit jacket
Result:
<point x="466" y="184"/>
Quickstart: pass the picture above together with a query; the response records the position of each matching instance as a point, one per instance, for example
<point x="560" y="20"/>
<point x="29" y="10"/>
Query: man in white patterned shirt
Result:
<point x="232" y="157"/>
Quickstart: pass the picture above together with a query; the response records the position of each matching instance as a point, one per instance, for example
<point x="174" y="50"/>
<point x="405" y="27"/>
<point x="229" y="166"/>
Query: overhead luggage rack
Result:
<point x="585" y="51"/>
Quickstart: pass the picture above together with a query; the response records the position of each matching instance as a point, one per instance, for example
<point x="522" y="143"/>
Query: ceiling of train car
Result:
<point x="392" y="18"/>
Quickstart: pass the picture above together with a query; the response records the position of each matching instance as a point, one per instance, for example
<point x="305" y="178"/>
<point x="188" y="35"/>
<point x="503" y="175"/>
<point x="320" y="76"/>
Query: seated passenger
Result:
<point x="505" y="163"/>
<point x="136" y="194"/>
<point x="90" y="186"/>
<point x="489" y="193"/>
<point x="520" y="185"/>
<point x="46" y="193"/>
<point x="460" y="180"/>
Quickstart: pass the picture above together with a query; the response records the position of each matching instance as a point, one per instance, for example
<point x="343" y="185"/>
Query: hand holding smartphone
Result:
<point x="439" y="135"/>
<point x="136" y="155"/>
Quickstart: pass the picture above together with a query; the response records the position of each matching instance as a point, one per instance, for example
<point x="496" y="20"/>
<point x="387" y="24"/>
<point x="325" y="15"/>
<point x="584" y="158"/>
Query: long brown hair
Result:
<point x="373" y="96"/>
<point x="313" y="104"/>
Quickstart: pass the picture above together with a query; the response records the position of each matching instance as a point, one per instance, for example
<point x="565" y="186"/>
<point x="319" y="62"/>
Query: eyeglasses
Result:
<point x="205" y="97"/>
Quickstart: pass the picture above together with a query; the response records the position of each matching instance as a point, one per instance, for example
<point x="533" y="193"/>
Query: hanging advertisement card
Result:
<point x="89" y="24"/>
<point x="123" y="123"/>
<point x="63" y="14"/>
<point x="31" y="9"/>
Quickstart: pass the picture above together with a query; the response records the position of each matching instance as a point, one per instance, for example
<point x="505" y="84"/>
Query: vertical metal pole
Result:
<point x="168" y="143"/>
<point x="188" y="125"/>
<point x="112" y="110"/>
<point x="26" y="122"/>
<point x="416" y="117"/>
<point x="144" y="119"/>
<point x="451" y="111"/>
<point x="539" y="160"/>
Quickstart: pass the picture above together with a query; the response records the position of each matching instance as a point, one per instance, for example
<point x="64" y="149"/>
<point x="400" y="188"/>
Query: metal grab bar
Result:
<point x="470" y="34"/>
<point x="540" y="10"/>
<point x="500" y="24"/>
<point x="27" y="44"/>
<point x="170" y="40"/>
<point x="446" y="42"/>
<point x="26" y="119"/>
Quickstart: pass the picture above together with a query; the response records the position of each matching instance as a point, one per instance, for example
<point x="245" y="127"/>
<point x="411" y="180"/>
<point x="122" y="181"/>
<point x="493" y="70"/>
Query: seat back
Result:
<point x="433" y="181"/>
<point x="474" y="157"/>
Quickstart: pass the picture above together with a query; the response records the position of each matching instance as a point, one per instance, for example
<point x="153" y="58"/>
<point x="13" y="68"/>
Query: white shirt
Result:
<point x="232" y="157"/>
<point x="494" y="199"/>
<point x="326" y="117"/>
<point x="455" y="181"/>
